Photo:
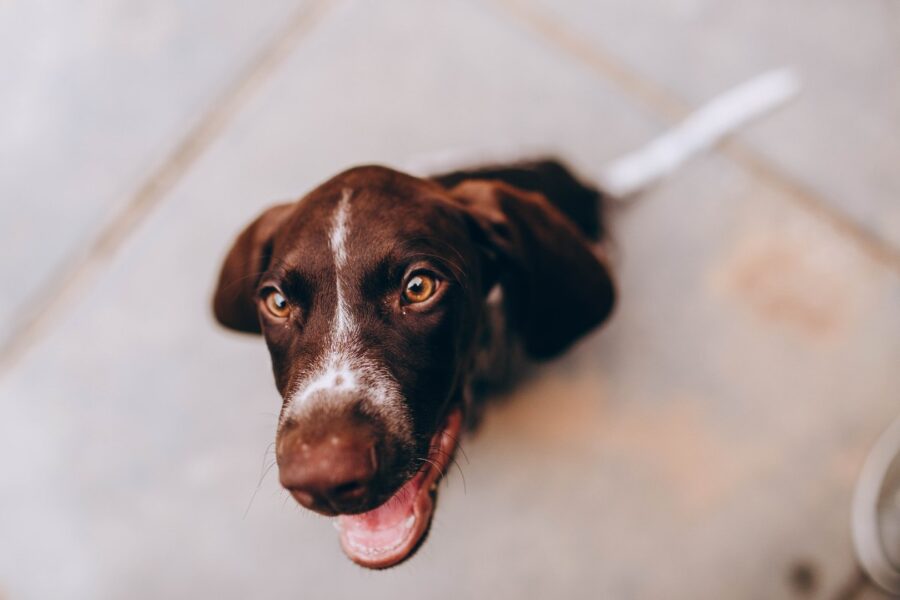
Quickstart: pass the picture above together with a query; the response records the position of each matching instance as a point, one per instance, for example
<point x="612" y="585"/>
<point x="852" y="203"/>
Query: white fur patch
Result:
<point x="344" y="366"/>
<point x="343" y="320"/>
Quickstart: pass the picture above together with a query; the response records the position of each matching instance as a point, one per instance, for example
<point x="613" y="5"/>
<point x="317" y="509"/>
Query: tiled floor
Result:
<point x="704" y="445"/>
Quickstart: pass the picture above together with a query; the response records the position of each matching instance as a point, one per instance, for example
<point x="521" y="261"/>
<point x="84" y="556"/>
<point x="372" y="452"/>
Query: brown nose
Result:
<point x="330" y="468"/>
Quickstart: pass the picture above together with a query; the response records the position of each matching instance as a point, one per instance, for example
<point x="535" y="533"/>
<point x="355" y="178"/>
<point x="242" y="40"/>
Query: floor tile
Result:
<point x="704" y="444"/>
<point x="95" y="96"/>
<point x="838" y="139"/>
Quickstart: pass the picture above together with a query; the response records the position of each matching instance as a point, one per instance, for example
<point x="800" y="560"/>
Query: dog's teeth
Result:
<point x="410" y="521"/>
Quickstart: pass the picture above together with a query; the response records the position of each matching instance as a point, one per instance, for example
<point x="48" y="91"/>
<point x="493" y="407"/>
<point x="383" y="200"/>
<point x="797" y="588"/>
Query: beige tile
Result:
<point x="838" y="139"/>
<point x="93" y="98"/>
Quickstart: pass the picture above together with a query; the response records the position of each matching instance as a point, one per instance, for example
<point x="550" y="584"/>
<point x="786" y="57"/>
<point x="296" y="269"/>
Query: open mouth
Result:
<point x="389" y="534"/>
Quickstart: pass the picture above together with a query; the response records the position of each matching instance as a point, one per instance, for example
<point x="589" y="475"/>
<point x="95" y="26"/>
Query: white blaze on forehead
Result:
<point x="343" y="320"/>
<point x="336" y="370"/>
<point x="344" y="366"/>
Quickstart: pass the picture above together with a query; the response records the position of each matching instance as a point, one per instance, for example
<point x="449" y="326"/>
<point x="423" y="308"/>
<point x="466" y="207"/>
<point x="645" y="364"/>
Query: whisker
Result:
<point x="455" y="266"/>
<point x="269" y="448"/>
<point x="458" y="445"/>
<point x="258" y="485"/>
<point x="279" y="263"/>
<point x="234" y="282"/>
<point x="457" y="269"/>
<point x="428" y="460"/>
<point x="463" y="475"/>
<point x="455" y="462"/>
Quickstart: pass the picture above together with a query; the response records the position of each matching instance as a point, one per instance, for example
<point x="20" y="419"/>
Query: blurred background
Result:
<point x="704" y="444"/>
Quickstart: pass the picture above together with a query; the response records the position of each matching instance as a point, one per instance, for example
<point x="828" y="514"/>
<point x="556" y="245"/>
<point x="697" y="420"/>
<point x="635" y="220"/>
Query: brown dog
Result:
<point x="384" y="300"/>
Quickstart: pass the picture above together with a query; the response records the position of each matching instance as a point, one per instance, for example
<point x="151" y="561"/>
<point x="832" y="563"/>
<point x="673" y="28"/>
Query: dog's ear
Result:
<point x="555" y="285"/>
<point x="234" y="302"/>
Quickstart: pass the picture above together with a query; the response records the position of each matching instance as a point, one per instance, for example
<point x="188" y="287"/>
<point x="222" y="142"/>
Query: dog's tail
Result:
<point x="701" y="130"/>
<point x="634" y="172"/>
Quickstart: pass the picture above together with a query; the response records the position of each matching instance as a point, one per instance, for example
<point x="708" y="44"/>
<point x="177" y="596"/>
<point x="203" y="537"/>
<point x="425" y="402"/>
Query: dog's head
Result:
<point x="370" y="293"/>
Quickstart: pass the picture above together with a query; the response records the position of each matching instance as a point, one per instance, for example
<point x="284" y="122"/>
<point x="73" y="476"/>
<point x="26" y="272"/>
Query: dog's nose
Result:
<point x="331" y="472"/>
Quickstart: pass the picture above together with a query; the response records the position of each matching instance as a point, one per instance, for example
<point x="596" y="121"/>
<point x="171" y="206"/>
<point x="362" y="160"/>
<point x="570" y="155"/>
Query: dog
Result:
<point x="391" y="305"/>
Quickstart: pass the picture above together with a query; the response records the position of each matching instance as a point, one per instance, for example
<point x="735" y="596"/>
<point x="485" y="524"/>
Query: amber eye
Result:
<point x="277" y="304"/>
<point x="419" y="288"/>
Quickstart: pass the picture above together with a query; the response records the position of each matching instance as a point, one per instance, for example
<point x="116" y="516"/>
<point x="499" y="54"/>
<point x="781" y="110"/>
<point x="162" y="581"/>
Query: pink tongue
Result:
<point x="386" y="526"/>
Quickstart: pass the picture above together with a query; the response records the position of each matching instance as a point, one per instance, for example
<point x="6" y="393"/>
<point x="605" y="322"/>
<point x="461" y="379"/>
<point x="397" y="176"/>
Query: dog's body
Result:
<point x="389" y="304"/>
<point x="500" y="355"/>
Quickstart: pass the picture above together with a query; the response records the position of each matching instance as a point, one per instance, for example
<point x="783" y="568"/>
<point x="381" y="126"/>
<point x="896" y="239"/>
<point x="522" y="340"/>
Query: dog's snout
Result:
<point x="332" y="469"/>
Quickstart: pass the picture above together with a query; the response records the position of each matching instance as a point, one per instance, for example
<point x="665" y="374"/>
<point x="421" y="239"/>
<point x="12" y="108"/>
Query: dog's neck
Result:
<point x="499" y="357"/>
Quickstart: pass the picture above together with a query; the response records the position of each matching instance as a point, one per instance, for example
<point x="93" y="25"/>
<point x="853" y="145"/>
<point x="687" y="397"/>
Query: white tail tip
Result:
<point x="701" y="130"/>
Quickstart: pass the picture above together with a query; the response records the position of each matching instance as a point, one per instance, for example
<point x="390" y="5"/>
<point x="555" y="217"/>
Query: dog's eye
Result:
<point x="277" y="304"/>
<point x="419" y="288"/>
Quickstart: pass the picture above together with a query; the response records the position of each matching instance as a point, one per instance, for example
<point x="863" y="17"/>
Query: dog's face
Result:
<point x="370" y="293"/>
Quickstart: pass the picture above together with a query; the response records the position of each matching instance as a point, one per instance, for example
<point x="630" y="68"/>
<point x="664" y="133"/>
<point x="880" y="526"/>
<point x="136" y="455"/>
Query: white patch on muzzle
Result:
<point x="344" y="367"/>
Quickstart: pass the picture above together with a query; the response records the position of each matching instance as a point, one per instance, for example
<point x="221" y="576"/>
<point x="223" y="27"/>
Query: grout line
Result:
<point x="600" y="60"/>
<point x="669" y="106"/>
<point x="73" y="279"/>
<point x="757" y="165"/>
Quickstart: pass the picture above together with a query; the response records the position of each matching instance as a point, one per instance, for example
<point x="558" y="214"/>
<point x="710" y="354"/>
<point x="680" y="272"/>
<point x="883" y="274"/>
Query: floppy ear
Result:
<point x="234" y="302"/>
<point x="556" y="287"/>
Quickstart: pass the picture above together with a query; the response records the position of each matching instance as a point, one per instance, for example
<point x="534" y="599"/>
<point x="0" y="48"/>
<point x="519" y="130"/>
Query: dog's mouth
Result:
<point x="388" y="535"/>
